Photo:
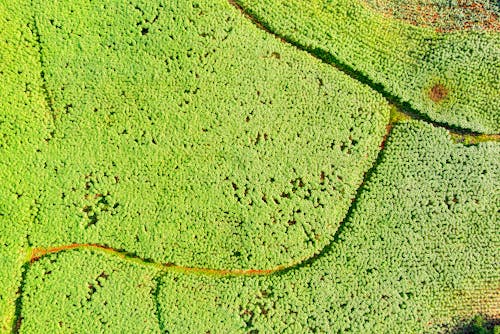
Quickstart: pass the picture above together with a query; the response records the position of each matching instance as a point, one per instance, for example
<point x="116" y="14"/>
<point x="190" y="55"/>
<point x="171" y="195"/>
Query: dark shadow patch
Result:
<point x="478" y="325"/>
<point x="155" y="294"/>
<point x="18" y="317"/>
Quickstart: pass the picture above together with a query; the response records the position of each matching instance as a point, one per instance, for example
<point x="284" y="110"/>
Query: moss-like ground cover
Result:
<point x="179" y="168"/>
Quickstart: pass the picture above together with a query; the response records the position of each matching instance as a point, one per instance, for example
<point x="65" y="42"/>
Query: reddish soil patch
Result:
<point x="38" y="253"/>
<point x="462" y="15"/>
<point x="388" y="130"/>
<point x="438" y="93"/>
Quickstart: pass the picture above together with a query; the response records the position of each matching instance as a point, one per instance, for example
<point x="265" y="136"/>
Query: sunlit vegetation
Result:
<point x="449" y="77"/>
<point x="185" y="134"/>
<point x="81" y="292"/>
<point x="246" y="167"/>
<point x="400" y="264"/>
<point x="24" y="122"/>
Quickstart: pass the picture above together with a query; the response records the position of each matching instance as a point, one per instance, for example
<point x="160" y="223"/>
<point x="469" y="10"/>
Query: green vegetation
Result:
<point x="80" y="292"/>
<point x="185" y="134"/>
<point x="397" y="264"/>
<point x="451" y="78"/>
<point x="24" y="122"/>
<point x="480" y="326"/>
<point x="171" y="167"/>
<point x="180" y="133"/>
<point x="423" y="228"/>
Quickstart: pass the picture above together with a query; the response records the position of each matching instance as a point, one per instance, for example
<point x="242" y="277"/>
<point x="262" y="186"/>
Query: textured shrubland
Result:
<point x="82" y="292"/>
<point x="24" y="123"/>
<point x="452" y="78"/>
<point x="420" y="239"/>
<point x="185" y="134"/>
<point x="422" y="236"/>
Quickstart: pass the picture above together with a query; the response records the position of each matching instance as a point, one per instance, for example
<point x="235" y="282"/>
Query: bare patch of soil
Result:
<point x="438" y="93"/>
<point x="443" y="16"/>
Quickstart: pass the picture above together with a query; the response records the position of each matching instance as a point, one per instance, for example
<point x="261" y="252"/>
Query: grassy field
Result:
<point x="242" y="166"/>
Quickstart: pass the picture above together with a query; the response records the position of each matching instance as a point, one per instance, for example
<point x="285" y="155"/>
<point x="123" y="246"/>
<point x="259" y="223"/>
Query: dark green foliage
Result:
<point x="83" y="292"/>
<point x="185" y="134"/>
<point x="478" y="325"/>
<point x="451" y="78"/>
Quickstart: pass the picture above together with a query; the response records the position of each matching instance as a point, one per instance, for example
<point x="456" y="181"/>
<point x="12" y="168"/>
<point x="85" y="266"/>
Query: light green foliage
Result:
<point x="185" y="134"/>
<point x="24" y="123"/>
<point x="409" y="62"/>
<point x="217" y="302"/>
<point x="180" y="132"/>
<point x="423" y="228"/>
<point x="83" y="292"/>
